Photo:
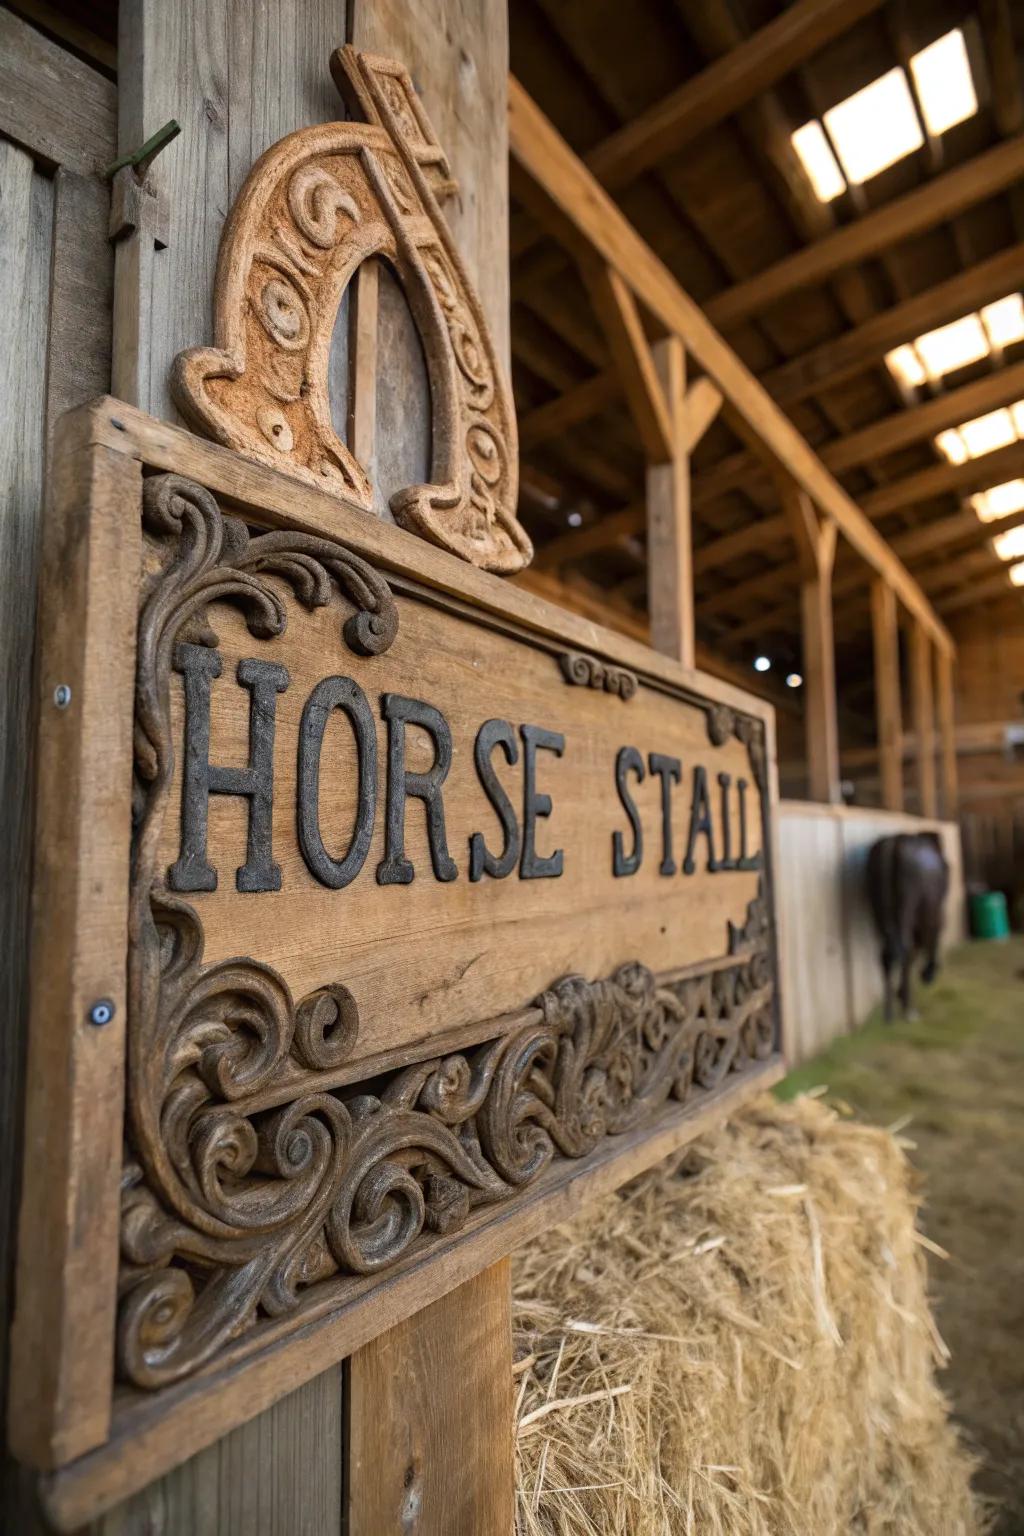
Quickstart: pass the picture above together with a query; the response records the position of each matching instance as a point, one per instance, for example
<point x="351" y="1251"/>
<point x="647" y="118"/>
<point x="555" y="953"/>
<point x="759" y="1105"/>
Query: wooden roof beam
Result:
<point x="898" y="430"/>
<point x="831" y="362"/>
<point x="617" y="311"/>
<point x="567" y="184"/>
<point x="913" y="213"/>
<point x="725" y="86"/>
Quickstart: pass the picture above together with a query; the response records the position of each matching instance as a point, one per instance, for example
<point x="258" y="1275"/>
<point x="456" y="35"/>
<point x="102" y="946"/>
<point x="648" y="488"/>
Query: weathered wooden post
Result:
<point x="888" y="714"/>
<point x="922" y="696"/>
<point x="815" y="538"/>
<point x="337" y="998"/>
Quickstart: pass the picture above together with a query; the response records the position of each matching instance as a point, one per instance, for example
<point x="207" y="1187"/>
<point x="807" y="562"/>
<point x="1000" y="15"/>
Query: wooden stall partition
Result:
<point x="57" y="132"/>
<point x="830" y="952"/>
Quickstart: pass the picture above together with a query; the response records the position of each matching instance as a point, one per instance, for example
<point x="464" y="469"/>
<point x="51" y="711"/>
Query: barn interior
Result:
<point x="758" y="275"/>
<point x="839" y="189"/>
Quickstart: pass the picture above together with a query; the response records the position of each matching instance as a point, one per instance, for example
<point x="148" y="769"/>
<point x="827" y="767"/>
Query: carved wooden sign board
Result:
<point x="379" y="907"/>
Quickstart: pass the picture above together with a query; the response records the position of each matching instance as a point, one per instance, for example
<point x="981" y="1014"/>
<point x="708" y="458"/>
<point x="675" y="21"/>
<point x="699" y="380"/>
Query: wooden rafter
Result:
<point x="566" y="184"/>
<point x="912" y="214"/>
<point x="617" y="311"/>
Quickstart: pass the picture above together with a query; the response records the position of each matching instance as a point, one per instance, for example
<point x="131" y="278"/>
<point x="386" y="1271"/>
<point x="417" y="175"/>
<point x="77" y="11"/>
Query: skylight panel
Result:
<point x="952" y="346"/>
<point x="951" y="445"/>
<point x="942" y="79"/>
<point x="1016" y="574"/>
<point x="1004" y="320"/>
<point x="874" y="127"/>
<point x="999" y="501"/>
<point x="818" y="161"/>
<point x="906" y="367"/>
<point x="986" y="433"/>
<point x="1009" y="545"/>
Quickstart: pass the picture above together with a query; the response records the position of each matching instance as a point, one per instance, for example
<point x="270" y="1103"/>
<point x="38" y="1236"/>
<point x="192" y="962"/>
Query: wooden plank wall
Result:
<point x="831" y="976"/>
<point x="238" y="78"/>
<point x="56" y="131"/>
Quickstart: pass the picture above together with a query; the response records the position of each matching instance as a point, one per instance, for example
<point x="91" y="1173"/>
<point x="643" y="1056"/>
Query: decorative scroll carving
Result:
<point x="587" y="672"/>
<point x="724" y="722"/>
<point x="314" y="207"/>
<point x="234" y="1212"/>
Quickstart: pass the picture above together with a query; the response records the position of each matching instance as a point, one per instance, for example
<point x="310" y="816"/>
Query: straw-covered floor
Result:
<point x="740" y="1344"/>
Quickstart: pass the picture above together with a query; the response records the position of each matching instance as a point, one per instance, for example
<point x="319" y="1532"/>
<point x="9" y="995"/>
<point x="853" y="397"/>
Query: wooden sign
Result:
<point x="382" y="911"/>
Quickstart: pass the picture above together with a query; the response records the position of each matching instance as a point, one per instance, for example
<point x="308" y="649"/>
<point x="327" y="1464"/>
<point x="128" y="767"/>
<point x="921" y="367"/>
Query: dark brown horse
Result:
<point x="908" y="878"/>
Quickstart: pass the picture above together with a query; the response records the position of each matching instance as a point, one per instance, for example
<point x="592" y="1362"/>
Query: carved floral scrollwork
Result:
<point x="247" y="1185"/>
<point x="314" y="207"/>
<point x="587" y="672"/>
<point x="724" y="722"/>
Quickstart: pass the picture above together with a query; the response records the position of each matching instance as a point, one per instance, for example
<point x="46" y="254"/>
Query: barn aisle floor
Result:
<point x="954" y="1081"/>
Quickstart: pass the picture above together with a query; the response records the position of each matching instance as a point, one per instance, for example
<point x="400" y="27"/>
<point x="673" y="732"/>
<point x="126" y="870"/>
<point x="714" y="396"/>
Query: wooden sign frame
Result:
<point x="158" y="1078"/>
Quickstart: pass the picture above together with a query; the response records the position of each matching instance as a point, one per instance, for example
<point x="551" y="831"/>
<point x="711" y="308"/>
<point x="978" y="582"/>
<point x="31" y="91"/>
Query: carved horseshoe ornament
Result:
<point x="314" y="207"/>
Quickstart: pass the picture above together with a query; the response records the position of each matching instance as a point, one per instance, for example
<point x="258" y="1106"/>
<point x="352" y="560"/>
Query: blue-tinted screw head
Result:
<point x="101" y="1012"/>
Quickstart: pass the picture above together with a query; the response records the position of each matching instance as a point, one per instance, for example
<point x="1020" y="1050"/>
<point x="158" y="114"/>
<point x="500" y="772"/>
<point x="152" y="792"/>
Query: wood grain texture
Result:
<point x="193" y="1416"/>
<point x="280" y="1473"/>
<point x="59" y="109"/>
<point x="238" y="78"/>
<point x="62" y="1338"/>
<point x="430" y="1418"/>
<point x="669" y="538"/>
<point x="565" y="182"/>
<point x="888" y="708"/>
<point x="26" y="219"/>
<point x="315" y="206"/>
<point x="81" y="295"/>
<point x="457" y="54"/>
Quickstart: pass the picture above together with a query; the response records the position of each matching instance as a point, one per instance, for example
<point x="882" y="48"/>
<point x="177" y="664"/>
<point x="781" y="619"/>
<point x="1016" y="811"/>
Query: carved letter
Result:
<point x="335" y="693"/>
<point x="628" y="761"/>
<point x="491" y="734"/>
<point x="726" y="861"/>
<point x="264" y="679"/>
<point x="746" y="859"/>
<point x="670" y="769"/>
<point x="395" y="868"/>
<point x="700" y="822"/>
<point x="532" y="867"/>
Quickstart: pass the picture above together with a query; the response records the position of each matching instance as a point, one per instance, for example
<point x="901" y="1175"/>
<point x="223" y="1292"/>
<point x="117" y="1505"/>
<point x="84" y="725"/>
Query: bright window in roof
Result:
<point x="875" y="127"/>
<point x="819" y="162"/>
<point x="1004" y="320"/>
<point x="996" y="429"/>
<point x="1017" y="574"/>
<point x="1009" y="545"/>
<point x="959" y="343"/>
<point x="999" y="501"/>
<point x="879" y="124"/>
<point x="942" y="79"/>
<point x="987" y="433"/>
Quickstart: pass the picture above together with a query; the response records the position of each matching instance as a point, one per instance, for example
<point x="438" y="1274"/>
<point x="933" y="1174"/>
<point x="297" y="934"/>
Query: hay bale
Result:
<point x="740" y="1344"/>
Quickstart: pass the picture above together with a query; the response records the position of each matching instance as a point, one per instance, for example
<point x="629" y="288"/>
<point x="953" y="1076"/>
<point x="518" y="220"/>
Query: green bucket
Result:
<point x="988" y="916"/>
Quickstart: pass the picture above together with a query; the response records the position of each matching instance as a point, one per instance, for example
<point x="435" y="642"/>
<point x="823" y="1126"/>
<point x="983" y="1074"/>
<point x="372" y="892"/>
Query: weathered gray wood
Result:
<point x="81" y="294"/>
<point x="280" y="1473"/>
<point x="51" y="103"/>
<point x="457" y="54"/>
<point x="237" y="77"/>
<point x="26" y="219"/>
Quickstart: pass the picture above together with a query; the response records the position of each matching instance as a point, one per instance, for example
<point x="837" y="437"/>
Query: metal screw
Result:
<point x="101" y="1012"/>
<point x="62" y="695"/>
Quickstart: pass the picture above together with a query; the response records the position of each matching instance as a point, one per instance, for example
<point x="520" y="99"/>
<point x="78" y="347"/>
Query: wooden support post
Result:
<point x="430" y="1418"/>
<point x="815" y="539"/>
<point x="888" y="709"/>
<point x="947" y="732"/>
<point x="924" y="718"/>
<point x="669" y="544"/>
